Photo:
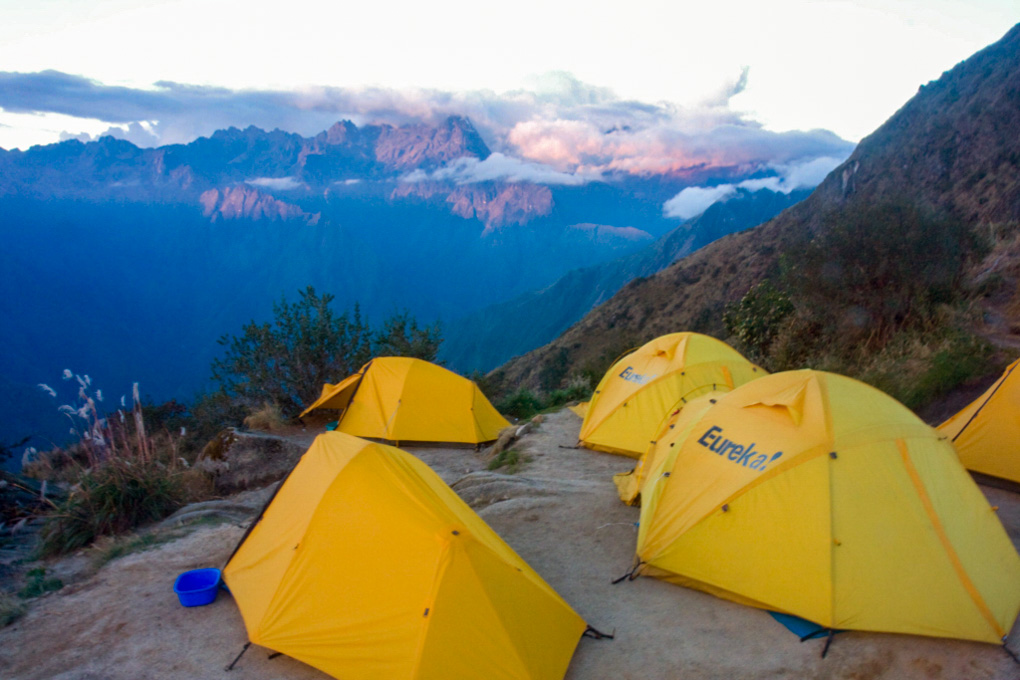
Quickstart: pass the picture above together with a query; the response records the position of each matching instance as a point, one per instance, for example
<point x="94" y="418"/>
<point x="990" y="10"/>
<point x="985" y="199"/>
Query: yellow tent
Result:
<point x="987" y="432"/>
<point x="816" y="495"/>
<point x="366" y="565"/>
<point x="629" y="484"/>
<point x="579" y="409"/>
<point x="641" y="389"/>
<point x="400" y="399"/>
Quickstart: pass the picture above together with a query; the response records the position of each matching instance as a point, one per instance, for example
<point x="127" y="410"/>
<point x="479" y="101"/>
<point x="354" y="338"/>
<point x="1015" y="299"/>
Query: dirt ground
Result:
<point x="561" y="514"/>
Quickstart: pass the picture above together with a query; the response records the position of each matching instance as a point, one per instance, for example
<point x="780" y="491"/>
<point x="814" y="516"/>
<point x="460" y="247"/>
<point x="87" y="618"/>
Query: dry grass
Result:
<point x="269" y="418"/>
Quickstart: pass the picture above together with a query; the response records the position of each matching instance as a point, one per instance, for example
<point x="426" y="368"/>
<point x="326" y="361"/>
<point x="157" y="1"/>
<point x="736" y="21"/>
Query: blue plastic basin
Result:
<point x="197" y="587"/>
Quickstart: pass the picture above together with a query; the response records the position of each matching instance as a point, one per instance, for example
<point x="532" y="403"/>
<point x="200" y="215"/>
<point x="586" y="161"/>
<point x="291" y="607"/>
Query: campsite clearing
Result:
<point x="561" y="514"/>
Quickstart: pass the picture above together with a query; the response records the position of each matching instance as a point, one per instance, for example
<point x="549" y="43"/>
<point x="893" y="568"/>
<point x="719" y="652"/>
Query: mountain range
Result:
<point x="955" y="147"/>
<point x="129" y="263"/>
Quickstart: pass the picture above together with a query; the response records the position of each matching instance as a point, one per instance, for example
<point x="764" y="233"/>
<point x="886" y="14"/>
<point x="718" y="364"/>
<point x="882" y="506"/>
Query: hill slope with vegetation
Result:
<point x="901" y="268"/>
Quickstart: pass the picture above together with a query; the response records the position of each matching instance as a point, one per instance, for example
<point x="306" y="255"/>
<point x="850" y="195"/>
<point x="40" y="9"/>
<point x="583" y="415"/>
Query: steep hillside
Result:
<point x="954" y="146"/>
<point x="488" y="337"/>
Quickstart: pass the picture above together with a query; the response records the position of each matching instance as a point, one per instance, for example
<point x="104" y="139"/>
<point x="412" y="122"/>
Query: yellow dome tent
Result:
<point x="366" y="565"/>
<point x="629" y="484"/>
<point x="813" y="494"/>
<point x="401" y="399"/>
<point x="642" y="388"/>
<point x="987" y="432"/>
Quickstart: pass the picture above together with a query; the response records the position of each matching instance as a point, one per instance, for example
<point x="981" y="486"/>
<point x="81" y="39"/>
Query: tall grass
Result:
<point x="121" y="476"/>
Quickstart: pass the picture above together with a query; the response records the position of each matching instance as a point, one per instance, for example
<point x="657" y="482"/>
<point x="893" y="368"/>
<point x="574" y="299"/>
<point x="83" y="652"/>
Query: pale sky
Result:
<point x="839" y="66"/>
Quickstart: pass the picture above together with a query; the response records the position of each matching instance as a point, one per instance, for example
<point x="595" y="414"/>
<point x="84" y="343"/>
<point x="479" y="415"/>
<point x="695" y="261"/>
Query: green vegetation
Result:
<point x="876" y="293"/>
<point x="120" y="494"/>
<point x="120" y="475"/>
<point x="511" y="459"/>
<point x="287" y="361"/>
<point x="10" y="610"/>
<point x="520" y="404"/>
<point x="874" y="270"/>
<point x="756" y="320"/>
<point x="523" y="403"/>
<point x="38" y="584"/>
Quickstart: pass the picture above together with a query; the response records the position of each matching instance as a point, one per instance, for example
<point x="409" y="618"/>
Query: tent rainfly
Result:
<point x="401" y="399"/>
<point x="366" y="565"/>
<point x="986" y="433"/>
<point x="815" y="495"/>
<point x="642" y="388"/>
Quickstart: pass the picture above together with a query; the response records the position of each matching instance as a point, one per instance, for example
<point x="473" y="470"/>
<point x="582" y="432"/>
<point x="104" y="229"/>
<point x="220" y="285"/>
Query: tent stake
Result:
<point x="596" y="634"/>
<point x="238" y="657"/>
<point x="1011" y="654"/>
<point x="828" y="642"/>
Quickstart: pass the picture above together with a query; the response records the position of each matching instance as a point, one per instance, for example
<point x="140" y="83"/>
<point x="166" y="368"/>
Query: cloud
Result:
<point x="498" y="167"/>
<point x="560" y="126"/>
<point x="695" y="200"/>
<point x="276" y="183"/>
<point x="789" y="177"/>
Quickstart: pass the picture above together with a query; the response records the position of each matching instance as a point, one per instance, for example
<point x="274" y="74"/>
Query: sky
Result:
<point x="553" y="87"/>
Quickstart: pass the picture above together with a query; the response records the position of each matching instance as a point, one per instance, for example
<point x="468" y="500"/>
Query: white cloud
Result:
<point x="695" y="200"/>
<point x="499" y="167"/>
<point x="571" y="126"/>
<point x="276" y="183"/>
<point x="795" y="176"/>
<point x="790" y="176"/>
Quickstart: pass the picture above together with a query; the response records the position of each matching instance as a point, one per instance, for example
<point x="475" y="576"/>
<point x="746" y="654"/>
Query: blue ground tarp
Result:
<point x="802" y="628"/>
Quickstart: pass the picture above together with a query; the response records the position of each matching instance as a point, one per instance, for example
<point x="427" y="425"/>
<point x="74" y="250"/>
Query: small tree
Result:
<point x="756" y="319"/>
<point x="402" y="337"/>
<point x="288" y="360"/>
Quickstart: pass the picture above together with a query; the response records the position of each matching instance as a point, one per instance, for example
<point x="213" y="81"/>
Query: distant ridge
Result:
<point x="955" y="146"/>
<point x="490" y="336"/>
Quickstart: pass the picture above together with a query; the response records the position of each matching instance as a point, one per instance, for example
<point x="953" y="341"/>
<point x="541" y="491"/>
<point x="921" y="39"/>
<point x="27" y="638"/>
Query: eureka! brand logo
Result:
<point x="629" y="375"/>
<point x="739" y="454"/>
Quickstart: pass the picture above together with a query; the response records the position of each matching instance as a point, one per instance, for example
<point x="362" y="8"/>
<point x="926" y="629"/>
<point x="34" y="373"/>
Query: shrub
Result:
<point x="521" y="404"/>
<point x="288" y="360"/>
<point x="874" y="269"/>
<point x="38" y="583"/>
<point x="917" y="370"/>
<point x="578" y="389"/>
<point x="756" y="320"/>
<point x="402" y="337"/>
<point x="306" y="345"/>
<point x="10" y="610"/>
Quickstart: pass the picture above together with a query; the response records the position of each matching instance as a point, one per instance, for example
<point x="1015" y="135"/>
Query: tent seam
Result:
<point x="954" y="558"/>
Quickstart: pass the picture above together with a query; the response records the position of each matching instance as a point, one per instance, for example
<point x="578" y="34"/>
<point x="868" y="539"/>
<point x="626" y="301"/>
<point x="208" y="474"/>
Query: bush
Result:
<point x="10" y="610"/>
<point x="578" y="389"/>
<point x="873" y="270"/>
<point x="287" y="361"/>
<point x="306" y="345"/>
<point x="38" y="584"/>
<point x="917" y="371"/>
<point x="756" y="320"/>
<point x="521" y="404"/>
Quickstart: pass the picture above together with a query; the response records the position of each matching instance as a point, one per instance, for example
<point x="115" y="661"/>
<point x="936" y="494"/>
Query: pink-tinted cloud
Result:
<point x="567" y="125"/>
